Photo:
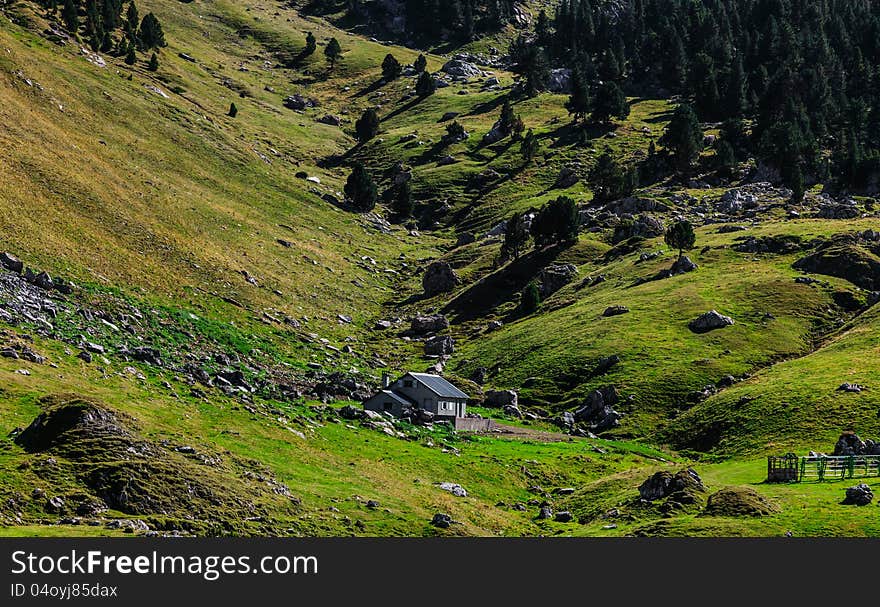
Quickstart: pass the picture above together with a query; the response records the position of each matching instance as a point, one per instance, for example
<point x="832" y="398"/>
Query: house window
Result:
<point x="387" y="406"/>
<point x="407" y="383"/>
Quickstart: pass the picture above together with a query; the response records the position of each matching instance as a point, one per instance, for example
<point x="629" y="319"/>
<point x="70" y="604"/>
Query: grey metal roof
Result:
<point x="438" y="385"/>
<point x="403" y="400"/>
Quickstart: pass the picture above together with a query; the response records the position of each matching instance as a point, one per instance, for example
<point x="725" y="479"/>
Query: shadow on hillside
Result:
<point x="500" y="286"/>
<point x="487" y="106"/>
<point x="370" y="88"/>
<point x="335" y="160"/>
<point x="431" y="154"/>
<point x="571" y="134"/>
<point x="406" y="106"/>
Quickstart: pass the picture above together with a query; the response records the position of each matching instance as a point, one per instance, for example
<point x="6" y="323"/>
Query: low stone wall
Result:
<point x="474" y="424"/>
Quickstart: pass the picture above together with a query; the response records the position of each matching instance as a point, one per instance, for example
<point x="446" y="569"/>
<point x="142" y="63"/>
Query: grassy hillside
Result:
<point x="194" y="233"/>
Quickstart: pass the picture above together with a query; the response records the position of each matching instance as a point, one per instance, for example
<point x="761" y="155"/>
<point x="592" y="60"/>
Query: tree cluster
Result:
<point x="802" y="73"/>
<point x="106" y="29"/>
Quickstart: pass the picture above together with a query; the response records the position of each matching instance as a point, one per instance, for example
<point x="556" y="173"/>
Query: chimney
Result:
<point x="386" y="380"/>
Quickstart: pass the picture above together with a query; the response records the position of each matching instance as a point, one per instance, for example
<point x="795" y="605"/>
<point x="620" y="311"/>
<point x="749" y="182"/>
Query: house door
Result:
<point x="459" y="410"/>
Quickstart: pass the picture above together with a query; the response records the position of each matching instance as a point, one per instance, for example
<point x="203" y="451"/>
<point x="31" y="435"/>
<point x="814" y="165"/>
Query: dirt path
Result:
<point x="519" y="433"/>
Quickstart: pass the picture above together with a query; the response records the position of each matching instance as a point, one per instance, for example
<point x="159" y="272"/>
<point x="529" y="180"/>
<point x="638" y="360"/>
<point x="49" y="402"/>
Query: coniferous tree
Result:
<point x="683" y="137"/>
<point x="154" y="63"/>
<point x="528" y="149"/>
<point x="333" y="51"/>
<point x="70" y="16"/>
<point x="367" y="126"/>
<point x="578" y="104"/>
<point x="530" y="299"/>
<point x="610" y="103"/>
<point x="796" y="182"/>
<point x="402" y="204"/>
<point x="311" y="45"/>
<point x="233" y="111"/>
<point x="391" y="68"/>
<point x="680" y="236"/>
<point x="556" y="223"/>
<point x="454" y="133"/>
<point x="360" y="189"/>
<point x="516" y="235"/>
<point x="529" y="62"/>
<point x="608" y="180"/>
<point x="420" y="64"/>
<point x="517" y="128"/>
<point x="150" y="33"/>
<point x="725" y="158"/>
<point x="130" y="56"/>
<point x="132" y="19"/>
<point x="425" y="85"/>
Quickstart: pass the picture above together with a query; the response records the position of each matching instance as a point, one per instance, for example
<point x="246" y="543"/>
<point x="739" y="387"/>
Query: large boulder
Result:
<point x="643" y="226"/>
<point x="554" y="277"/>
<point x="460" y="68"/>
<point x="735" y="201"/>
<point x="439" y="278"/>
<point x="439" y="345"/>
<point x="434" y="323"/>
<point x="709" y="321"/>
<point x="298" y="102"/>
<point x="598" y="410"/>
<point x="615" y="311"/>
<point x="11" y="262"/>
<point x="860" y="495"/>
<point x="500" y="398"/>
<point x="495" y="134"/>
<point x="849" y="443"/>
<point x="663" y="484"/>
<point x="559" y="80"/>
<point x="567" y="177"/>
<point x="683" y="265"/>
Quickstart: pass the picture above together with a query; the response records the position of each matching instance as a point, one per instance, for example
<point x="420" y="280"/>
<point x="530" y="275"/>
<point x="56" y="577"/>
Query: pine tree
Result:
<point x="608" y="180"/>
<point x="130" y="56"/>
<point x="543" y="34"/>
<point x="132" y="19"/>
<point x="154" y="63"/>
<point x="530" y="62"/>
<point x="367" y="126"/>
<point x="683" y="137"/>
<point x="360" y="189"/>
<point x="680" y="235"/>
<point x="454" y="133"/>
<point x="517" y="128"/>
<point x="507" y="117"/>
<point x="402" y="204"/>
<point x="610" y="103"/>
<point x="578" y="103"/>
<point x="420" y="64"/>
<point x="333" y="51"/>
<point x="515" y="236"/>
<point x="556" y="223"/>
<point x="725" y="158"/>
<point x="796" y="182"/>
<point x="530" y="299"/>
<point x="311" y="45"/>
<point x="391" y="68"/>
<point x="528" y="149"/>
<point x="70" y="16"/>
<point x="150" y="33"/>
<point x="425" y="85"/>
<point x="233" y="111"/>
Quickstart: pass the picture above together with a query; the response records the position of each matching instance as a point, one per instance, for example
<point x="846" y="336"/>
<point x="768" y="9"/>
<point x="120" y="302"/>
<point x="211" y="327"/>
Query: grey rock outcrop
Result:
<point x="710" y="321"/>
